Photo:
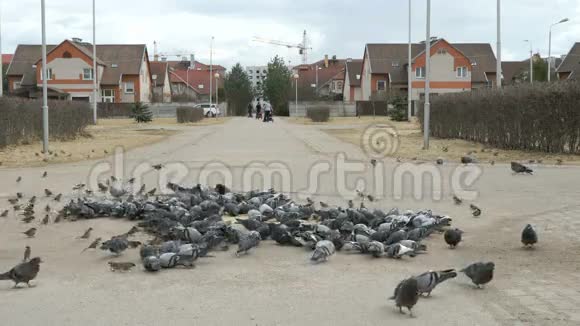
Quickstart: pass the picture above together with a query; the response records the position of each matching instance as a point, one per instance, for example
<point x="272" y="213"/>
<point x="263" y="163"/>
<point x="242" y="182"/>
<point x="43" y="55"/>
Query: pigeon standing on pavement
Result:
<point x="87" y="234"/>
<point x="116" y="245"/>
<point x="30" y="232"/>
<point x="406" y="295"/>
<point x="93" y="245"/>
<point x="4" y="213"/>
<point x="151" y="264"/>
<point x="428" y="281"/>
<point x="45" y="220"/>
<point x="475" y="211"/>
<point x="520" y="168"/>
<point x="529" y="236"/>
<point x="23" y="272"/>
<point x="47" y="192"/>
<point x="26" y="254"/>
<point x="480" y="273"/>
<point x="45" y="174"/>
<point x="57" y="197"/>
<point x="247" y="242"/>
<point x="453" y="237"/>
<point x="322" y="251"/>
<point x="457" y="200"/>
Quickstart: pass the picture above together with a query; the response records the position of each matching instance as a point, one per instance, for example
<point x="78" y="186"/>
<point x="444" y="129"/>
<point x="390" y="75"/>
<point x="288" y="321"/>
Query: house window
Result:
<point x="357" y="77"/>
<point x="339" y="85"/>
<point x="16" y="85"/>
<point x="129" y="87"/>
<point x="49" y="74"/>
<point x="420" y="72"/>
<point x="108" y="96"/>
<point x="87" y="74"/>
<point x="66" y="55"/>
<point x="442" y="51"/>
<point x="461" y="72"/>
<point x="381" y="85"/>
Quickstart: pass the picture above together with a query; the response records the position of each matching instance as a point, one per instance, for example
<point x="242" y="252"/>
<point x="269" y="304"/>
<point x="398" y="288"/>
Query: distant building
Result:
<point x="352" y="77"/>
<point x="160" y="80"/>
<point x="257" y="75"/>
<point x="191" y="82"/>
<point x="123" y="72"/>
<point x="324" y="78"/>
<point x="569" y="69"/>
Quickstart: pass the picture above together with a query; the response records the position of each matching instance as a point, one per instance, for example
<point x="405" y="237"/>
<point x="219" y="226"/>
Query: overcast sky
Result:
<point x="339" y="27"/>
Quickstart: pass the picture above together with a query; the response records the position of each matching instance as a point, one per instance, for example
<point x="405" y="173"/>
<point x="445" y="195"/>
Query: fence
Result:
<point x="21" y="120"/>
<point x="337" y="109"/>
<point x="159" y="110"/>
<point x="543" y="117"/>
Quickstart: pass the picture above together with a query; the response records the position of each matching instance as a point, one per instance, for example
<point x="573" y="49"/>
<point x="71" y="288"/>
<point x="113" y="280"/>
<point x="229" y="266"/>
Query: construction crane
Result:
<point x="184" y="56"/>
<point x="302" y="47"/>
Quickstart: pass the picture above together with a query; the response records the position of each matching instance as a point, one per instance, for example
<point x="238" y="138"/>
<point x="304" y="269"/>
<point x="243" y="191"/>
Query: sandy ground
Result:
<point x="411" y="143"/>
<point x="99" y="142"/>
<point x="278" y="286"/>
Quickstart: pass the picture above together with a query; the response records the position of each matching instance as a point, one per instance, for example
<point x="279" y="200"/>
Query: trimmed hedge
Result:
<point x="318" y="114"/>
<point x="543" y="117"/>
<point x="187" y="114"/>
<point x="21" y="120"/>
<point x="114" y="110"/>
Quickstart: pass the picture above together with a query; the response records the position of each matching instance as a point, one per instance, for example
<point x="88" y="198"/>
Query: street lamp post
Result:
<point x="296" y="76"/>
<point x="1" y="62"/>
<point x="210" y="69"/>
<point x="427" y="76"/>
<point x="95" y="71"/>
<point x="498" y="67"/>
<point x="409" y="71"/>
<point x="531" y="75"/>
<point x="550" y="48"/>
<point x="217" y="102"/>
<point x="44" y="75"/>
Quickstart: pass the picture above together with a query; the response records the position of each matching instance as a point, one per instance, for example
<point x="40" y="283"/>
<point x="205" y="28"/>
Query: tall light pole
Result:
<point x="550" y="47"/>
<point x="531" y="75"/>
<point x="95" y="72"/>
<point x="210" y="69"/>
<point x="409" y="72"/>
<point x="296" y="76"/>
<point x="427" y="114"/>
<point x="498" y="67"/>
<point x="217" y="102"/>
<point x="44" y="75"/>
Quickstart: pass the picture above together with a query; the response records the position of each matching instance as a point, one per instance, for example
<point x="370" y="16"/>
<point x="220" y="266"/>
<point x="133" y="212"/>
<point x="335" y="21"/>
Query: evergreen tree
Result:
<point x="141" y="113"/>
<point x="238" y="90"/>
<point x="277" y="87"/>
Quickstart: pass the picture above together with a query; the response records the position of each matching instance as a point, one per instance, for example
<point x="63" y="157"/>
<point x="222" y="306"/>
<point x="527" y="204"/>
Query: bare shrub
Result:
<point x="318" y="114"/>
<point x="543" y="117"/>
<point x="186" y="114"/>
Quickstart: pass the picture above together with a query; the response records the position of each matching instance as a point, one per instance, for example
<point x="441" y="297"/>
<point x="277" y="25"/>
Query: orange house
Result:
<point x="123" y="72"/>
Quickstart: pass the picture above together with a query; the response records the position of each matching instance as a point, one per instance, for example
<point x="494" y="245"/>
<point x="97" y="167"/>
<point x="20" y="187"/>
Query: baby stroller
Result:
<point x="268" y="116"/>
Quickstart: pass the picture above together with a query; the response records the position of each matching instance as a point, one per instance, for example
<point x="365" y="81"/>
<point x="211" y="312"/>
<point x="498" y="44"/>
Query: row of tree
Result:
<point x="276" y="88"/>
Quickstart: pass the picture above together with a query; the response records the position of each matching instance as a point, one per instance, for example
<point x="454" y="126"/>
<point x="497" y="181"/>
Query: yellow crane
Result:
<point x="303" y="47"/>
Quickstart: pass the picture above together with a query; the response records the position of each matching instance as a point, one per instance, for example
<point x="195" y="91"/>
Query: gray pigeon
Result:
<point x="152" y="264"/>
<point x="116" y="245"/>
<point x="322" y="251"/>
<point x="480" y="273"/>
<point x="529" y="236"/>
<point x="520" y="168"/>
<point x="453" y="237"/>
<point x="23" y="272"/>
<point x="396" y="237"/>
<point x="171" y="260"/>
<point x="397" y="251"/>
<point x="247" y="242"/>
<point x="406" y="295"/>
<point x="428" y="281"/>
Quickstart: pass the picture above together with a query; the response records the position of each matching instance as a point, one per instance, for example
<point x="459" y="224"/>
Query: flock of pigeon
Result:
<point x="192" y="222"/>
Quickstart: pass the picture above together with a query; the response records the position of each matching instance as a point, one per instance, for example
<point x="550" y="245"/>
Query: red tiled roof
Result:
<point x="7" y="58"/>
<point x="197" y="79"/>
<point x="307" y="73"/>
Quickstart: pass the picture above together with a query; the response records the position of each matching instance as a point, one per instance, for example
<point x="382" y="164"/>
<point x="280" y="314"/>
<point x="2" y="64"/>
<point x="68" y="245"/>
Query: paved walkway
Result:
<point x="277" y="286"/>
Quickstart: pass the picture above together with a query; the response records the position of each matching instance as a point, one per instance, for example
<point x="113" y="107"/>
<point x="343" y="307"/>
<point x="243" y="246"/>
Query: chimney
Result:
<point x="326" y="61"/>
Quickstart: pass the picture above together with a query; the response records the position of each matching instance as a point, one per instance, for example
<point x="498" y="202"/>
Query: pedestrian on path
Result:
<point x="250" y="109"/>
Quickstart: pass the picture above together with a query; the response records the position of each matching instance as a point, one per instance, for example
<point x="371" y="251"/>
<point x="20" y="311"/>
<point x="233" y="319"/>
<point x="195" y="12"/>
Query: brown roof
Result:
<point x="127" y="57"/>
<point x="307" y="73"/>
<point x="572" y="61"/>
<point x="392" y="59"/>
<point x="354" y="68"/>
<point x="183" y="64"/>
<point x="159" y="69"/>
<point x="511" y="69"/>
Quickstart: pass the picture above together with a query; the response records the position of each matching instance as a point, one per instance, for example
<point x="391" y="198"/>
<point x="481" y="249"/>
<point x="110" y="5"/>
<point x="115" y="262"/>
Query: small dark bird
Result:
<point x="559" y="161"/>
<point x="323" y="204"/>
<point x="371" y="198"/>
<point x="406" y="295"/>
<point x="439" y="161"/>
<point x="520" y="168"/>
<point x="45" y="220"/>
<point x="45" y="174"/>
<point x="58" y="197"/>
<point x="445" y="149"/>
<point x="453" y="237"/>
<point x="88" y="192"/>
<point x="32" y="200"/>
<point x="19" y="195"/>
<point x="47" y="208"/>
<point x="36" y="154"/>
<point x="30" y="232"/>
<point x="23" y="272"/>
<point x="529" y="236"/>
<point x="26" y="254"/>
<point x="374" y="162"/>
<point x="131" y="181"/>
<point x="13" y="201"/>
<point x="495" y="153"/>
<point x="58" y="218"/>
<point x="467" y="160"/>
<point x="158" y="166"/>
<point x="102" y="187"/>
<point x="16" y="208"/>
<point x="141" y="190"/>
<point x="87" y="234"/>
<point x="531" y="161"/>
<point x="457" y="200"/>
<point x="151" y="192"/>
<point x="79" y="186"/>
<point x="476" y="211"/>
<point x="4" y="213"/>
<point x="492" y="162"/>
<point x="105" y="151"/>
<point x="116" y="245"/>
<point x="118" y="266"/>
<point x="19" y="179"/>
<point x="113" y="178"/>
<point x="27" y="219"/>
<point x="350" y="204"/>
<point x="480" y="273"/>
<point x="93" y="245"/>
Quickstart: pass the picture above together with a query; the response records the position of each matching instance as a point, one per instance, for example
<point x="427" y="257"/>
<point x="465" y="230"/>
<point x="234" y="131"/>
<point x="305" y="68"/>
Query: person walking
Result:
<point x="258" y="110"/>
<point x="250" y="109"/>
<point x="268" y="112"/>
